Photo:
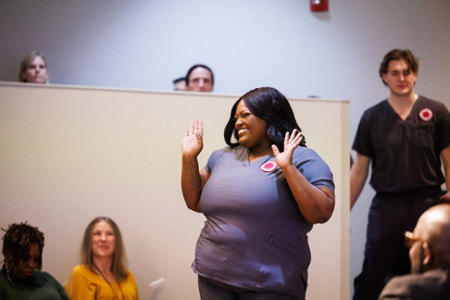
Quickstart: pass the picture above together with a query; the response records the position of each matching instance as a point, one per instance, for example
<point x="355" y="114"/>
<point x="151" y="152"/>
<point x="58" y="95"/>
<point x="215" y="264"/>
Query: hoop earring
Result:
<point x="7" y="273"/>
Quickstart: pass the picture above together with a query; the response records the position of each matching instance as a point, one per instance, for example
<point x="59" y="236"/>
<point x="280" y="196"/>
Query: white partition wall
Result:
<point x="68" y="155"/>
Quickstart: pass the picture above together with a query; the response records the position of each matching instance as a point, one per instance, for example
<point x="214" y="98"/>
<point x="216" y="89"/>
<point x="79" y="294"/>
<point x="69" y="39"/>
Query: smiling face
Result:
<point x="103" y="240"/>
<point x="251" y="130"/>
<point x="27" y="264"/>
<point x="399" y="78"/>
<point x="36" y="71"/>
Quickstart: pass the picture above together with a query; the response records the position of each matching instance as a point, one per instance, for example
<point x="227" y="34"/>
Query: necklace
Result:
<point x="260" y="153"/>
<point x="123" y="297"/>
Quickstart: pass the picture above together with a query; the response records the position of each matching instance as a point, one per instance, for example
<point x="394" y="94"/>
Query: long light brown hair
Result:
<point x="119" y="260"/>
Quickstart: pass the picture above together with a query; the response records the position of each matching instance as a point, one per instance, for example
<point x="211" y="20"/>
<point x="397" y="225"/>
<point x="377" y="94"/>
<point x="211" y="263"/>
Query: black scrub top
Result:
<point x="405" y="154"/>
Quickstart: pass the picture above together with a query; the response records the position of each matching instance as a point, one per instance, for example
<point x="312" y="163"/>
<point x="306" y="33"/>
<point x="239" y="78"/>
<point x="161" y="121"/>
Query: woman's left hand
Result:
<point x="315" y="203"/>
<point x="291" y="142"/>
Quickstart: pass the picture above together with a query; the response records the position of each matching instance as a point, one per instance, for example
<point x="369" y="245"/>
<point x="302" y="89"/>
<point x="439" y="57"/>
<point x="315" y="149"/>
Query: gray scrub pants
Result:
<point x="214" y="290"/>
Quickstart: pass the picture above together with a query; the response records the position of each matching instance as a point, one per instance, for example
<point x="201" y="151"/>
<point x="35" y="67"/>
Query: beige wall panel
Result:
<point x="69" y="154"/>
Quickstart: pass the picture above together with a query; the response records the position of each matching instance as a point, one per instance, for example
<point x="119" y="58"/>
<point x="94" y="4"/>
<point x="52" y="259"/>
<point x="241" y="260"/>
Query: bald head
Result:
<point x="433" y="234"/>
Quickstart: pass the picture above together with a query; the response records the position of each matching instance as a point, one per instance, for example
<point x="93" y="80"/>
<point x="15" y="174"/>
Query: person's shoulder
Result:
<point x="429" y="101"/>
<point x="43" y="277"/>
<point x="217" y="153"/>
<point x="375" y="111"/>
<point x="301" y="151"/>
<point x="82" y="271"/>
<point x="305" y="154"/>
<point x="224" y="149"/>
<point x="404" y="279"/>
<point x="228" y="150"/>
<point x="130" y="275"/>
<point x="439" y="112"/>
<point x="433" y="282"/>
<point x="399" y="287"/>
<point x="235" y="149"/>
<point x="442" y="275"/>
<point x="433" y="104"/>
<point x="380" y="106"/>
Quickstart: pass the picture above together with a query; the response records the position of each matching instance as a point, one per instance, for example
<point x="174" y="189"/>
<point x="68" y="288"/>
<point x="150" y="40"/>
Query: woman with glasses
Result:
<point x="261" y="195"/>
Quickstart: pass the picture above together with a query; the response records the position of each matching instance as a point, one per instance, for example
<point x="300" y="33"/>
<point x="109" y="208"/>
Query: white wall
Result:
<point x="146" y="44"/>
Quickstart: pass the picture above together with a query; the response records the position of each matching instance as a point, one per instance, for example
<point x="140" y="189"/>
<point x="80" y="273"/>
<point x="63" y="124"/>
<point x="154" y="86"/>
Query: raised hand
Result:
<point x="192" y="143"/>
<point x="291" y="142"/>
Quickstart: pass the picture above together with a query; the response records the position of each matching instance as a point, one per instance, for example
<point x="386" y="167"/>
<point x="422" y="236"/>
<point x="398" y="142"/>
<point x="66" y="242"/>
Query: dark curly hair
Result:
<point x="270" y="105"/>
<point x="17" y="242"/>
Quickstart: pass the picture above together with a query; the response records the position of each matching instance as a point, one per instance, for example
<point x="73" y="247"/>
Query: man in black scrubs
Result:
<point x="403" y="137"/>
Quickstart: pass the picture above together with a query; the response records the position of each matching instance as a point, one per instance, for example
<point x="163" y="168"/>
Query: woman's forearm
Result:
<point x="315" y="203"/>
<point x="191" y="183"/>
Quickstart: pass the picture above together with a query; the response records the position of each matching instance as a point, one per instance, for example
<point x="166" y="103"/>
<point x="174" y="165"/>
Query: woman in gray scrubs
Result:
<point x="260" y="195"/>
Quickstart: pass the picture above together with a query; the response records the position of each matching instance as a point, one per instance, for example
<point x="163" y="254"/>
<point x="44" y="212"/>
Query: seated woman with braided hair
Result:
<point x="103" y="273"/>
<point x="21" y="277"/>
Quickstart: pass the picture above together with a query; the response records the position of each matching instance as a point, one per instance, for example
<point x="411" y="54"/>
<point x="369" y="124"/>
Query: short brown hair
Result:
<point x="398" y="54"/>
<point x="199" y="66"/>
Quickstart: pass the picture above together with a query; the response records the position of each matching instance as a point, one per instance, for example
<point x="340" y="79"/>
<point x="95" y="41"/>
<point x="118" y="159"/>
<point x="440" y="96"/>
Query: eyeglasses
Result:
<point x="409" y="239"/>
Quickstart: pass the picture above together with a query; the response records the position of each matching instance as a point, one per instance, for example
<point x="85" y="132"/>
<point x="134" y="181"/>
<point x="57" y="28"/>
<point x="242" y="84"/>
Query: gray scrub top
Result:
<point x="255" y="236"/>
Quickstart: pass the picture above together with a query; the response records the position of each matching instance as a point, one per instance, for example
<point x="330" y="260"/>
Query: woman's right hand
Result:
<point x="192" y="180"/>
<point x="192" y="143"/>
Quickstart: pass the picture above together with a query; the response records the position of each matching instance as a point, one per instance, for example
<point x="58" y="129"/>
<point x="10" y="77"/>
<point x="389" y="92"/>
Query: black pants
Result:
<point x="385" y="256"/>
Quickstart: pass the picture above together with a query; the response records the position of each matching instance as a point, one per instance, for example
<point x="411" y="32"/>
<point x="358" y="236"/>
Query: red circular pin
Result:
<point x="269" y="166"/>
<point x="426" y="114"/>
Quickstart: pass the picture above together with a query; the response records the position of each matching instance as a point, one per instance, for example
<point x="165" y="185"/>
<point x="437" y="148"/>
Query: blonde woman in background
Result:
<point x="103" y="273"/>
<point x="33" y="68"/>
